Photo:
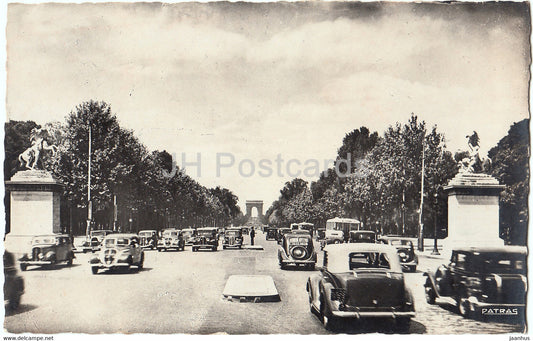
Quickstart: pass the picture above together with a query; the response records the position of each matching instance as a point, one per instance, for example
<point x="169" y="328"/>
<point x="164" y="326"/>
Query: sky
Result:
<point x="258" y="80"/>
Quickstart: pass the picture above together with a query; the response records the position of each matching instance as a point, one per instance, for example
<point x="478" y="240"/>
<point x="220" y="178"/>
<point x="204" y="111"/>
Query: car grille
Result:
<point x="109" y="256"/>
<point x="405" y="255"/>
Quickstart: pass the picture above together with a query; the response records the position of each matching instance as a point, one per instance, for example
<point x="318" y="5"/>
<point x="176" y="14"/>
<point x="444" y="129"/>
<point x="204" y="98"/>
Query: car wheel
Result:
<point x="214" y="248"/>
<point x="329" y="321"/>
<point x="94" y="270"/>
<point x="193" y="249"/>
<point x="69" y="260"/>
<point x="141" y="263"/>
<point x="463" y="305"/>
<point x="223" y="247"/>
<point x="412" y="268"/>
<point x="311" y="267"/>
<point x="403" y="324"/>
<point x="430" y="296"/>
<point x="337" y="241"/>
<point x="23" y="266"/>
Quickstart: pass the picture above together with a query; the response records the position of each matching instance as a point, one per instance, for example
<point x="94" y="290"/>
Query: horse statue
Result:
<point x="31" y="156"/>
<point x="473" y="163"/>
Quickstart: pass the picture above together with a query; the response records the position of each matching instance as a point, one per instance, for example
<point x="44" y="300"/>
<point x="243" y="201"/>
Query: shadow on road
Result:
<point x="50" y="267"/>
<point x="124" y="271"/>
<point x="21" y="309"/>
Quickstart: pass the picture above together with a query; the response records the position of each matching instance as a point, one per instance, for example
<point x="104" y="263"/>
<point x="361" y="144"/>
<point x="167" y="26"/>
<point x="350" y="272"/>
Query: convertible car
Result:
<point x="360" y="280"/>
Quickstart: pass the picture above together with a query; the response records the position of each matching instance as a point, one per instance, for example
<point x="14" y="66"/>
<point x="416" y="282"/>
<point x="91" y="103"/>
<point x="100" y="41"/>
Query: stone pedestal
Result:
<point x="35" y="208"/>
<point x="473" y="211"/>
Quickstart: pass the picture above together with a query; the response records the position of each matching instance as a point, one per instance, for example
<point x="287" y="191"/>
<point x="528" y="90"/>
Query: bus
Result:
<point x="338" y="229"/>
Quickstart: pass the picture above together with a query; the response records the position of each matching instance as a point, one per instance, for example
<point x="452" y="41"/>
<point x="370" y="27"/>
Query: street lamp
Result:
<point x="420" y="221"/>
<point x="435" y="249"/>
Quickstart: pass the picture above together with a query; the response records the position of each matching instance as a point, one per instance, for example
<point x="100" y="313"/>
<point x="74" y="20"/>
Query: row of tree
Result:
<point x="148" y="194"/>
<point x="377" y="179"/>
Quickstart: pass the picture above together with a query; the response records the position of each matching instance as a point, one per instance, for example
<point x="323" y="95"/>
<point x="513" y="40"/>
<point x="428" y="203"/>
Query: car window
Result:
<point x="460" y="261"/>
<point x="363" y="260"/>
<point x="232" y="233"/>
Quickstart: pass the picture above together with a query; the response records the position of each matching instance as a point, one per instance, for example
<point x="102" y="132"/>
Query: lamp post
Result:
<point x="420" y="221"/>
<point x="89" y="202"/>
<point x="435" y="249"/>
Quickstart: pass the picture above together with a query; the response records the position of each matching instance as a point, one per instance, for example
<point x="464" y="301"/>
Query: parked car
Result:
<point x="48" y="250"/>
<point x="232" y="238"/>
<point x="148" y="238"/>
<point x="171" y="239"/>
<point x="360" y="281"/>
<point x="362" y="236"/>
<point x="281" y="232"/>
<point x="13" y="282"/>
<point x="94" y="240"/>
<point x="297" y="249"/>
<point x="481" y="281"/>
<point x="245" y="230"/>
<point x="206" y="238"/>
<point x="188" y="236"/>
<point x="271" y="233"/>
<point x="405" y="249"/>
<point x="119" y="250"/>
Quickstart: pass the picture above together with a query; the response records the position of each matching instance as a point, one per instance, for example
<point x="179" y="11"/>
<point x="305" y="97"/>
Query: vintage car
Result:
<point x="481" y="281"/>
<point x="171" y="239"/>
<point x="362" y="236"/>
<point x="148" y="239"/>
<point x="233" y="238"/>
<point x="271" y="233"/>
<point x="333" y="237"/>
<point x="119" y="251"/>
<point x="245" y="230"/>
<point x="47" y="250"/>
<point x="188" y="236"/>
<point x="320" y="234"/>
<point x="360" y="281"/>
<point x="297" y="249"/>
<point x="206" y="238"/>
<point x="94" y="240"/>
<point x="406" y="251"/>
<point x="281" y="232"/>
<point x="13" y="282"/>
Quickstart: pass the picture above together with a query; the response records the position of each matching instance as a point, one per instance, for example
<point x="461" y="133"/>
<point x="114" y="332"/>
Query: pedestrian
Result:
<point x="252" y="235"/>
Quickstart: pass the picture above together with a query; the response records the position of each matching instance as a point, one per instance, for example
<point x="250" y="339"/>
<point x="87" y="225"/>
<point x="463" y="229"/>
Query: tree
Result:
<point x="510" y="165"/>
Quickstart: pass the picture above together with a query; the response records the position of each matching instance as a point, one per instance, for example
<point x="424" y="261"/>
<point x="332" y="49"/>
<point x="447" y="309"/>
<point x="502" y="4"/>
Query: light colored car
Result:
<point x="148" y="238"/>
<point x="171" y="239"/>
<point x="119" y="250"/>
<point x="360" y="280"/>
<point x="48" y="250"/>
<point x="188" y="236"/>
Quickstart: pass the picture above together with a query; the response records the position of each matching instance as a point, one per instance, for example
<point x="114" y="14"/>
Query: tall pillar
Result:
<point x="35" y="208"/>
<point x="473" y="211"/>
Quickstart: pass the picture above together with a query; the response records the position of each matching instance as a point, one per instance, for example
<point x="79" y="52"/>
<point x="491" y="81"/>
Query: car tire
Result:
<point x="329" y="322"/>
<point x="193" y="249"/>
<point x="412" y="268"/>
<point x="141" y="263"/>
<point x="223" y="247"/>
<point x="69" y="260"/>
<point x="463" y="306"/>
<point x="337" y="241"/>
<point x="430" y="296"/>
<point x="403" y="324"/>
<point x="214" y="248"/>
<point x="311" y="267"/>
<point x="23" y="266"/>
<point x="94" y="270"/>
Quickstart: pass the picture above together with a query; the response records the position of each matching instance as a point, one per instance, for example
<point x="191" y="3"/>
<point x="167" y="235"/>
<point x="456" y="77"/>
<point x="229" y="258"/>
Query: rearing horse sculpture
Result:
<point x="30" y="157"/>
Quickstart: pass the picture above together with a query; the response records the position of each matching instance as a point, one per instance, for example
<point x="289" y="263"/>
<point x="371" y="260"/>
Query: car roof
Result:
<point x="298" y="233"/>
<point x="206" y="228"/>
<point x="489" y="249"/>
<point x="51" y="235"/>
<point x="338" y="253"/>
<point x="191" y="229"/>
<point x="151" y="230"/>
<point x="121" y="235"/>
<point x="362" y="231"/>
<point x="233" y="229"/>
